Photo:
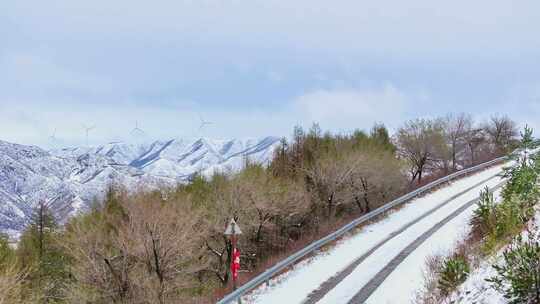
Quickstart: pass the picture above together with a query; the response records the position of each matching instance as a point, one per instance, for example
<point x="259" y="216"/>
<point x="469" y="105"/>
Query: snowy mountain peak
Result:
<point x="70" y="178"/>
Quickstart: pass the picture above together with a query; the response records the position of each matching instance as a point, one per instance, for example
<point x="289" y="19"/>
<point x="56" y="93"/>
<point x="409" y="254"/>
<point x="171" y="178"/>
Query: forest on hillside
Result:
<point x="168" y="246"/>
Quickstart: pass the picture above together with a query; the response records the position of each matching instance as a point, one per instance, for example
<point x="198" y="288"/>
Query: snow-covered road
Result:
<point x="365" y="254"/>
<point x="407" y="278"/>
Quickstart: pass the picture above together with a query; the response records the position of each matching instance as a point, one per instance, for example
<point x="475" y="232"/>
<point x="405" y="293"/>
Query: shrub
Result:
<point x="523" y="175"/>
<point x="522" y="181"/>
<point x="518" y="277"/>
<point x="454" y="272"/>
<point x="496" y="222"/>
<point x="483" y="220"/>
<point x="430" y="293"/>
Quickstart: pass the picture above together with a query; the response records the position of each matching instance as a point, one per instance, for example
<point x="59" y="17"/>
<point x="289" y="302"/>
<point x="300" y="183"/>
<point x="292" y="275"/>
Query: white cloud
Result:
<point x="352" y="108"/>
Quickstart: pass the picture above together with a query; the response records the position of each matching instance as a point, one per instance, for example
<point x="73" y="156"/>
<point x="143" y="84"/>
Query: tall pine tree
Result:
<point x="40" y="253"/>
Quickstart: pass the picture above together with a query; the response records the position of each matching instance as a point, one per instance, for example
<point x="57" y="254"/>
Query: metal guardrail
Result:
<point x="272" y="271"/>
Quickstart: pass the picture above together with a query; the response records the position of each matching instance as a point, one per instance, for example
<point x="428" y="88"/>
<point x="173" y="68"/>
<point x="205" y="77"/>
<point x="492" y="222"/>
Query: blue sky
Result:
<point x="257" y="68"/>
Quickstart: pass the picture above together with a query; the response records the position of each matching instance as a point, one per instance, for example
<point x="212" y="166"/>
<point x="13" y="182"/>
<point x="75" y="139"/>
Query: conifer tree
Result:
<point x="42" y="256"/>
<point x="524" y="173"/>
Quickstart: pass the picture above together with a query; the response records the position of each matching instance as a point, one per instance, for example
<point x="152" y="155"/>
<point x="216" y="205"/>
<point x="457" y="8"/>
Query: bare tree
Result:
<point x="151" y="255"/>
<point x="266" y="199"/>
<point x="375" y="180"/>
<point x="87" y="245"/>
<point x="474" y="139"/>
<point x="163" y="241"/>
<point x="327" y="178"/>
<point x="455" y="130"/>
<point x="420" y="142"/>
<point x="501" y="131"/>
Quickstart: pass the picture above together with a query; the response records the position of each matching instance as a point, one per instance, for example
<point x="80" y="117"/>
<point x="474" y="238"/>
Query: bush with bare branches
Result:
<point x="150" y="256"/>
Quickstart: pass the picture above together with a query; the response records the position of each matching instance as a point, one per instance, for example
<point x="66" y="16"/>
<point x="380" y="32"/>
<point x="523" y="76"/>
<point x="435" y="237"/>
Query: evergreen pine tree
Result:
<point x="518" y="277"/>
<point x="42" y="256"/>
<point x="524" y="174"/>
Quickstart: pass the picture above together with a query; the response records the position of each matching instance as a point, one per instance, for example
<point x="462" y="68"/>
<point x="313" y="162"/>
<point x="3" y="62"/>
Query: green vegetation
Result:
<point x="518" y="276"/>
<point x="497" y="222"/>
<point x="41" y="255"/>
<point x="10" y="276"/>
<point x="455" y="271"/>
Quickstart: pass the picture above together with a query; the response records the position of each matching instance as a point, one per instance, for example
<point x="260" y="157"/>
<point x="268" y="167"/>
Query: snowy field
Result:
<point x="294" y="286"/>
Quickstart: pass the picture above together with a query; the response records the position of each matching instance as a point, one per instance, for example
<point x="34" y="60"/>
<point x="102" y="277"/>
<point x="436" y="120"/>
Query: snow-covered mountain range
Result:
<point x="70" y="179"/>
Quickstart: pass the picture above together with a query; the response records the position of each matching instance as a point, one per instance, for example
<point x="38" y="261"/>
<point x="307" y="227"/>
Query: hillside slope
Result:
<point x="70" y="178"/>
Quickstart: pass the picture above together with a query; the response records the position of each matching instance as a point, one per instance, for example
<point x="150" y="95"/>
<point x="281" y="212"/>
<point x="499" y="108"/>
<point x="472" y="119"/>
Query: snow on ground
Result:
<point x="475" y="290"/>
<point x="376" y="262"/>
<point x="293" y="286"/>
<point x="408" y="276"/>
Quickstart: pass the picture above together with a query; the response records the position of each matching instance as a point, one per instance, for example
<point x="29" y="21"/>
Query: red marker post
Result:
<point x="235" y="264"/>
<point x="233" y="230"/>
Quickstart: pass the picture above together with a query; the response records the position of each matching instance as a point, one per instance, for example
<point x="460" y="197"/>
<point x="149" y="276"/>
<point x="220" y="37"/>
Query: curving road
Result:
<point x="360" y="267"/>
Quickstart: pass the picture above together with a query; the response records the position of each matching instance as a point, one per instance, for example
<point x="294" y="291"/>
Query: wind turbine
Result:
<point x="87" y="130"/>
<point x="53" y="139"/>
<point x="137" y="129"/>
<point x="204" y="123"/>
